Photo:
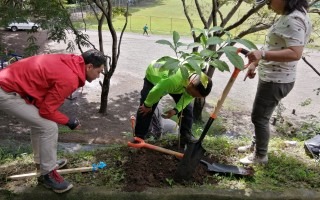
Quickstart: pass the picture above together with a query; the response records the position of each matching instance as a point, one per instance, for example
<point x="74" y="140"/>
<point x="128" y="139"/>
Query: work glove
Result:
<point x="73" y="123"/>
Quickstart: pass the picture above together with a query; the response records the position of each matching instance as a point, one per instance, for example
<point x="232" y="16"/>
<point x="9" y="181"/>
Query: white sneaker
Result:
<point x="247" y="148"/>
<point x="254" y="159"/>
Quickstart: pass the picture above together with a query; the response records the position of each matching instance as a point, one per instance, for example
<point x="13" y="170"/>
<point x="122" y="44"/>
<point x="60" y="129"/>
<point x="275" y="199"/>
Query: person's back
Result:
<point x="158" y="84"/>
<point x="33" y="89"/>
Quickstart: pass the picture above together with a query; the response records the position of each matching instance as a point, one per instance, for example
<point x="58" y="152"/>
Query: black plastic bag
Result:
<point x="312" y="147"/>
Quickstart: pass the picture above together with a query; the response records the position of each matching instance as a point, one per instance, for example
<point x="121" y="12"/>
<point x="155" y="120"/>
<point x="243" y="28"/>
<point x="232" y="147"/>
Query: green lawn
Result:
<point x="166" y="16"/>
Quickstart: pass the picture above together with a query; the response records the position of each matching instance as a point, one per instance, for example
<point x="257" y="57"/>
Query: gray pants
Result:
<point x="267" y="98"/>
<point x="44" y="133"/>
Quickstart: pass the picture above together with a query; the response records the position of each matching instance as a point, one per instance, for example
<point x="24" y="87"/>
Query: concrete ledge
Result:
<point x="97" y="193"/>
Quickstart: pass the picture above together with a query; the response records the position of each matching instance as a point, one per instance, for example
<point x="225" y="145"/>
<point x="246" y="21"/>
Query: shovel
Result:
<point x="214" y="167"/>
<point x="195" y="151"/>
<point x="228" y="169"/>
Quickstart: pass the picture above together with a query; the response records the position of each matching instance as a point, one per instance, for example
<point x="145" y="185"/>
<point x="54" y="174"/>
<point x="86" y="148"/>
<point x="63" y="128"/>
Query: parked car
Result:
<point x="28" y="25"/>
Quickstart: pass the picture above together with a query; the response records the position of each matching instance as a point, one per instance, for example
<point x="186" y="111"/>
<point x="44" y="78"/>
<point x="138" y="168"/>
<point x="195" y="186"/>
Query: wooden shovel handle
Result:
<point x="140" y="143"/>
<point x="228" y="87"/>
<point x="60" y="171"/>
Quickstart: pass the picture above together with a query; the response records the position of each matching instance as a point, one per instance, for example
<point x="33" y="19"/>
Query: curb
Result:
<point x="98" y="193"/>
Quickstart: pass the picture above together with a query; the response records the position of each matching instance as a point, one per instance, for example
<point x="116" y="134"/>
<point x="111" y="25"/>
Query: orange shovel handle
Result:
<point x="141" y="144"/>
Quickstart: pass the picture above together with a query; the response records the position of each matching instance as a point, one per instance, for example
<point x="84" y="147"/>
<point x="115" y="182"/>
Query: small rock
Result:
<point x="290" y="143"/>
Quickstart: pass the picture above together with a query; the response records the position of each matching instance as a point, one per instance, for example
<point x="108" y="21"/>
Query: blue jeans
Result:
<point x="143" y="122"/>
<point x="267" y="98"/>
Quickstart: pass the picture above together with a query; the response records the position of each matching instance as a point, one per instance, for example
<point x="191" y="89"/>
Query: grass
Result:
<point x="288" y="167"/>
<point x="166" y="16"/>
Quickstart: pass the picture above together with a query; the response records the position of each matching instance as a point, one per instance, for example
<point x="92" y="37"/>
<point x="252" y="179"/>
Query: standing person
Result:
<point x="158" y="84"/>
<point x="145" y="29"/>
<point x="34" y="88"/>
<point x="277" y="64"/>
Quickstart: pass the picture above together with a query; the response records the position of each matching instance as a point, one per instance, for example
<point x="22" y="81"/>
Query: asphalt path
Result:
<point x="137" y="51"/>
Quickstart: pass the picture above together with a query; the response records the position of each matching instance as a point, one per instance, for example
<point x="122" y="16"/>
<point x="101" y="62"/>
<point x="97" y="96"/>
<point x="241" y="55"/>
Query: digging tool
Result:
<point x="312" y="67"/>
<point x="195" y="151"/>
<point x="94" y="167"/>
<point x="133" y="122"/>
<point x="140" y="143"/>
<point x="228" y="169"/>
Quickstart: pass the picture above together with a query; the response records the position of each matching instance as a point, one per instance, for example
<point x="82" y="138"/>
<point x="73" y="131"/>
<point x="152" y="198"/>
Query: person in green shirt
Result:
<point x="158" y="84"/>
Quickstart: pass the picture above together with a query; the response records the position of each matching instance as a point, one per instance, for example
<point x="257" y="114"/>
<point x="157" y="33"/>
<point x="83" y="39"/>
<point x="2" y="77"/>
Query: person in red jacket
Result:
<point x="34" y="88"/>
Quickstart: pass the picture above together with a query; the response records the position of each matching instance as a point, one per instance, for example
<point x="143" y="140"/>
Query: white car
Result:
<point x="14" y="26"/>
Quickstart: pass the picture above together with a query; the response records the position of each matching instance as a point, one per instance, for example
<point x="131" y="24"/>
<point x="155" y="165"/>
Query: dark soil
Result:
<point x="148" y="168"/>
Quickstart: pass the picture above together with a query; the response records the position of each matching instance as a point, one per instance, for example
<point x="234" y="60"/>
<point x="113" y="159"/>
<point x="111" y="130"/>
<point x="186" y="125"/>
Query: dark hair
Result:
<point x="204" y="91"/>
<point x="95" y="57"/>
<point x="292" y="5"/>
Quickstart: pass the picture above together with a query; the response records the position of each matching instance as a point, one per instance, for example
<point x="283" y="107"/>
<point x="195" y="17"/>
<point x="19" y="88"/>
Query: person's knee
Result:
<point x="50" y="127"/>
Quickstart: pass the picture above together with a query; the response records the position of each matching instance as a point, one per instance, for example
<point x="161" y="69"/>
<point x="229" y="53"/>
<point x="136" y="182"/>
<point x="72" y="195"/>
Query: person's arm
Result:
<point x="54" y="99"/>
<point x="289" y="54"/>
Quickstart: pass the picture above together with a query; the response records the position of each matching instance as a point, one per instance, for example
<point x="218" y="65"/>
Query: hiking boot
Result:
<point x="187" y="139"/>
<point x="59" y="164"/>
<point x="253" y="158"/>
<point x="247" y="148"/>
<point x="54" y="181"/>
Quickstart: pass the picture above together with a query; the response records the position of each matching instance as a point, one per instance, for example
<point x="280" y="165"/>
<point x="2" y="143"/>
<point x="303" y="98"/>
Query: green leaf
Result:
<point x="233" y="57"/>
<point x="204" y="79"/>
<point x="246" y="43"/>
<point x="194" y="44"/>
<point x="205" y="32"/>
<point x="220" y="65"/>
<point x="199" y="30"/>
<point x="194" y="65"/>
<point x="170" y="64"/>
<point x="203" y="40"/>
<point x="180" y="44"/>
<point x="165" y="59"/>
<point x="176" y="37"/>
<point x="214" y="40"/>
<point x="207" y="53"/>
<point x="166" y="42"/>
<point x="215" y="29"/>
<point x="184" y="72"/>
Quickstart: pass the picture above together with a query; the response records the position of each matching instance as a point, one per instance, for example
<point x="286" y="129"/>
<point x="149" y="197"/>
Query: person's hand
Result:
<point x="254" y="56"/>
<point x="144" y="110"/>
<point x="73" y="123"/>
<point x="250" y="71"/>
<point x="168" y="114"/>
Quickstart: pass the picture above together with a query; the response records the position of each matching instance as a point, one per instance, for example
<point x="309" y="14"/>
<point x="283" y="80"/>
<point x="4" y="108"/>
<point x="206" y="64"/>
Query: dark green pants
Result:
<point x="267" y="98"/>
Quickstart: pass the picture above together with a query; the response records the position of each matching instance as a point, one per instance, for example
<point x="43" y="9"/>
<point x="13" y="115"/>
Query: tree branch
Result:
<point x="205" y="23"/>
<point x="231" y="13"/>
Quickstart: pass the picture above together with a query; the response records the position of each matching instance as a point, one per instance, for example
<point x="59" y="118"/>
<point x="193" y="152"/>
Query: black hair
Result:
<point x="95" y="57"/>
<point x="292" y="5"/>
<point x="204" y="91"/>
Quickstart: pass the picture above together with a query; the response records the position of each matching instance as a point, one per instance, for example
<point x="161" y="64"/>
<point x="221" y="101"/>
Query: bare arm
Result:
<point x="285" y="55"/>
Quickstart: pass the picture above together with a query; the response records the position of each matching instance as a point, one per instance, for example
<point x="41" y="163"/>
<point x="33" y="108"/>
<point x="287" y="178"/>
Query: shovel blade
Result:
<point x="189" y="162"/>
<point x="228" y="169"/>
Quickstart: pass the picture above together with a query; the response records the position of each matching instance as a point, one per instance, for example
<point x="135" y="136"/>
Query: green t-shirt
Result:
<point x="165" y="84"/>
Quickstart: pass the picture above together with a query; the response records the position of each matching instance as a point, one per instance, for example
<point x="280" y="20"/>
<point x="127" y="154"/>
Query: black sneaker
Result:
<point x="54" y="181"/>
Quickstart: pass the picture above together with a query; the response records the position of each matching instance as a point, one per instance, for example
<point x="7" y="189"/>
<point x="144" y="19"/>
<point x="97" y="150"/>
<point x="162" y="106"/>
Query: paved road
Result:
<point x="137" y="51"/>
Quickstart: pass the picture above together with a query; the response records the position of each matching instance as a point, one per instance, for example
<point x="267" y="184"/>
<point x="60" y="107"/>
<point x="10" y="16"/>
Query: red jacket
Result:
<point x="48" y="79"/>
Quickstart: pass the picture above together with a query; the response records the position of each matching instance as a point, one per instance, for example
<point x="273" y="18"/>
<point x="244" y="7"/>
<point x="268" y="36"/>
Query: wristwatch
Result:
<point x="263" y="54"/>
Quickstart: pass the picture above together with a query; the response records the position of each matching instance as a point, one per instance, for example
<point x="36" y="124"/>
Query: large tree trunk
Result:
<point x="105" y="94"/>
